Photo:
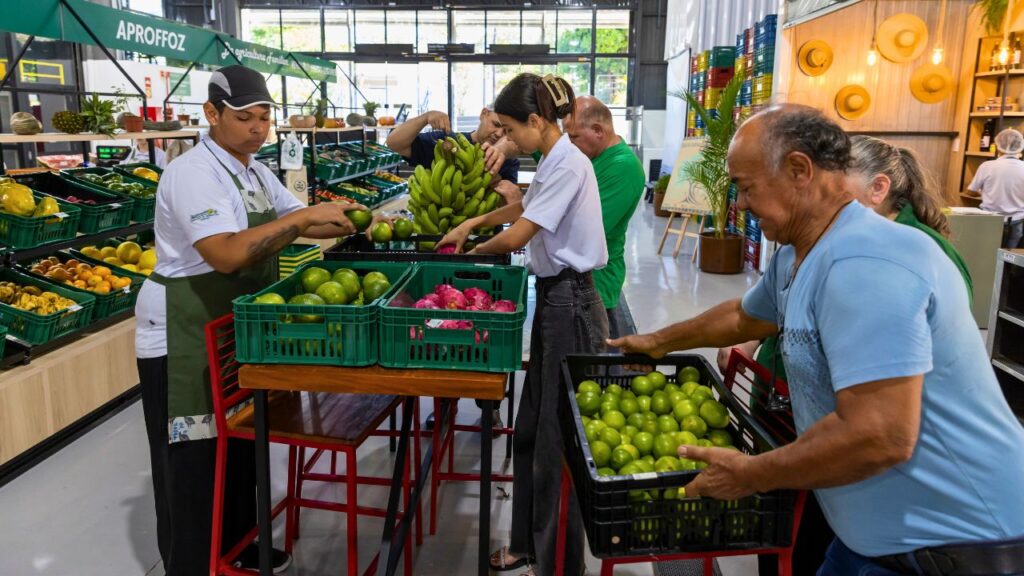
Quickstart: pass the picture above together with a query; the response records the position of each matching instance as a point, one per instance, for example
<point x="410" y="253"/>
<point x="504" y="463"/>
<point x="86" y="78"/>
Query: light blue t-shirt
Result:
<point x="875" y="300"/>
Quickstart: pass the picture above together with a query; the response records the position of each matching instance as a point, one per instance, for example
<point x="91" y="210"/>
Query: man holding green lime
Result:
<point x="903" y="430"/>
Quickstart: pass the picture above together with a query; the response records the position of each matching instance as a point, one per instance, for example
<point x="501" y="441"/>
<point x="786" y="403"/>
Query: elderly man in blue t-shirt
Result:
<point x="904" y="433"/>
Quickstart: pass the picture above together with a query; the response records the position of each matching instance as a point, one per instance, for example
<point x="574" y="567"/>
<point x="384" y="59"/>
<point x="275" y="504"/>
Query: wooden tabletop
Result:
<point x="374" y="380"/>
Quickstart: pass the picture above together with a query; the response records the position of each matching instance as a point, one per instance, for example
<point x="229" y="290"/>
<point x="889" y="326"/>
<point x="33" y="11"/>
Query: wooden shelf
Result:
<point x="996" y="114"/>
<point x="320" y="130"/>
<point x="52" y="137"/>
<point x="999" y="74"/>
<point x="979" y="154"/>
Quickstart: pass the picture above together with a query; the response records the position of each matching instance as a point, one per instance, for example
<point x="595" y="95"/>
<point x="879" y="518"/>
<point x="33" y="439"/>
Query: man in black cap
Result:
<point x="221" y="220"/>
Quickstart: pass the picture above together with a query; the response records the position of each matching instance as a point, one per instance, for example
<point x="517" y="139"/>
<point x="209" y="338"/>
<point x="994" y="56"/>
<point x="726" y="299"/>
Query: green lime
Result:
<point x="629" y="407"/>
<point x="683" y="437"/>
<point x="313" y="277"/>
<point x="635" y="420"/>
<point x="684" y="408"/>
<point x="372" y="277"/>
<point x="688" y="387"/>
<point x="381" y="232"/>
<point x="628" y="430"/>
<point x="667" y="424"/>
<point x="332" y="293"/>
<point x="642" y="386"/>
<point x="614" y="419"/>
<point x="589" y="386"/>
<point x="714" y="413"/>
<point x="650" y="426"/>
<point x="644" y="402"/>
<point x="666" y="464"/>
<point x="658" y="379"/>
<point x="269" y="298"/>
<point x="720" y="438"/>
<point x="644" y="442"/>
<point x="360" y="218"/>
<point x="403" y="228"/>
<point x="665" y="445"/>
<point x="695" y="425"/>
<point x="689" y="374"/>
<point x="620" y="457"/>
<point x="614" y="389"/>
<point x="610" y="437"/>
<point x="660" y="403"/>
<point x="374" y="290"/>
<point x="601" y="453"/>
<point x="687" y="464"/>
<point x="588" y="402"/>
<point x="307" y="300"/>
<point x="605" y="472"/>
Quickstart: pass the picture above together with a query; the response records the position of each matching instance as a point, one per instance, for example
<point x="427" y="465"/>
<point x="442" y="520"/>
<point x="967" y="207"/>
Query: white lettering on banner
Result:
<point x="132" y="32"/>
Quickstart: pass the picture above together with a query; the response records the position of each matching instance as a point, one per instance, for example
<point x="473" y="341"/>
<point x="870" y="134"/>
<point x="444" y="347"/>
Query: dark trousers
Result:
<point x="813" y="538"/>
<point x="569" y="318"/>
<point x="1013" y="232"/>
<point x="183" y="483"/>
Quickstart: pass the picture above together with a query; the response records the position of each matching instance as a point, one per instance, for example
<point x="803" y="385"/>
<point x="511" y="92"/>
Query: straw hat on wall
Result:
<point x="931" y="83"/>
<point x="902" y="37"/>
<point x="852" y="101"/>
<point x="814" y="57"/>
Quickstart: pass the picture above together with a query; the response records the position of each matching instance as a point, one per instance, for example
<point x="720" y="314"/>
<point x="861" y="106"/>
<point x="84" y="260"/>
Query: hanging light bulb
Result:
<point x="872" y="52"/>
<point x="1004" y="53"/>
<point x="937" y="56"/>
<point x="872" y="56"/>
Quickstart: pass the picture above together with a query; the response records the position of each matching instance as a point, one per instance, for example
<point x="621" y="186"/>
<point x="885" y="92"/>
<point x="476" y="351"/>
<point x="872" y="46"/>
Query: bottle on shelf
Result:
<point x="993" y="60"/>
<point x="1015" y="55"/>
<point x="986" y="135"/>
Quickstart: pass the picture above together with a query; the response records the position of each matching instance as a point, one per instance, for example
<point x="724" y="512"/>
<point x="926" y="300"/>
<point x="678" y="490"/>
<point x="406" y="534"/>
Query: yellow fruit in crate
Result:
<point x="17" y="199"/>
<point x="114" y="261"/>
<point x="121" y="283"/>
<point x="130" y="267"/>
<point x="145" y="271"/>
<point x="93" y="281"/>
<point x="93" y="252"/>
<point x="108" y="252"/>
<point x="147" y="260"/>
<point x="129" y="252"/>
<point x="101" y="271"/>
<point x="102" y="288"/>
<point x="46" y="207"/>
<point x="143" y="172"/>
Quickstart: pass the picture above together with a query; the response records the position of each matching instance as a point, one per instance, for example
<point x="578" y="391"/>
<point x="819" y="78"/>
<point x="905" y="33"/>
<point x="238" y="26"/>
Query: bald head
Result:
<point x="590" y="126"/>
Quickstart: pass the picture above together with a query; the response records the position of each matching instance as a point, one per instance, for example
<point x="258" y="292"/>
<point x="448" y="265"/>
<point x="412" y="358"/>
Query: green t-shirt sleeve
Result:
<point x="536" y="155"/>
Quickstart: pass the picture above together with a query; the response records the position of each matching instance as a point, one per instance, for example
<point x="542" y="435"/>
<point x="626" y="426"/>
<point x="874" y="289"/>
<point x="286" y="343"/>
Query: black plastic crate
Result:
<point x="618" y="525"/>
<point x="359" y="248"/>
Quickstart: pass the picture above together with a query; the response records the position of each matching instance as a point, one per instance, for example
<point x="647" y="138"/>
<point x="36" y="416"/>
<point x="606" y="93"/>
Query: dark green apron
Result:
<point x="192" y="302"/>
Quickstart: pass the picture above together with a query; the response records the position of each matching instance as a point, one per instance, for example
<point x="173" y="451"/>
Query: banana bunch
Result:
<point x="32" y="299"/>
<point x="453" y="190"/>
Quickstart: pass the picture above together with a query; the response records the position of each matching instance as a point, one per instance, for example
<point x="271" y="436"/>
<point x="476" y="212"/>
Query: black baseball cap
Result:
<point x="239" y="87"/>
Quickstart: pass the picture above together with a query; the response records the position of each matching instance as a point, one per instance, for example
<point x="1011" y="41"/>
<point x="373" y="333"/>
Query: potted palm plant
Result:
<point x="720" y="253"/>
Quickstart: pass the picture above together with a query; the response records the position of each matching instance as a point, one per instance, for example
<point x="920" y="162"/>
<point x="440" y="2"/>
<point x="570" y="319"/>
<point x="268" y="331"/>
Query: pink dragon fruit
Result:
<point x="440" y="289"/>
<point x="429" y="303"/>
<point x="478" y="299"/>
<point x="446" y="249"/>
<point x="454" y="300"/>
<point x="504" y="306"/>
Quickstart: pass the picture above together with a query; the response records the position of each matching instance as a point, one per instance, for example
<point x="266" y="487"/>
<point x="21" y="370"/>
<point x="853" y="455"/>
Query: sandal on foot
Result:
<point x="500" y="561"/>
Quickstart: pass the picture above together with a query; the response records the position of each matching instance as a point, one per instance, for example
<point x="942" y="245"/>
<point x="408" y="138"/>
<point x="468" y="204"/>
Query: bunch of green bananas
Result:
<point x="453" y="190"/>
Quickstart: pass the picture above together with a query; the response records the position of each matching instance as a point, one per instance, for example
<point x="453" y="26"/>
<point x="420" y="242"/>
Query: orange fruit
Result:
<point x="79" y="283"/>
<point x="102" y="288"/>
<point x="94" y="281"/>
<point x="101" y="271"/>
<point x="122" y="283"/>
<point x="84" y="275"/>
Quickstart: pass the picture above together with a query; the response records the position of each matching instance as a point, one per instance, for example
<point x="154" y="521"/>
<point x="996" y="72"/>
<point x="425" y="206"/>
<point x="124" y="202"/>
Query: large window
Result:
<point x="539" y="27"/>
<point x="574" y="31"/>
<point x="433" y="29"/>
<point x="262" y="27"/>
<point x="370" y="27"/>
<point x="610" y="80"/>
<point x="300" y="30"/>
<point x="612" y="31"/>
<point x="468" y="26"/>
<point x="503" y="28"/>
<point x="338" y="31"/>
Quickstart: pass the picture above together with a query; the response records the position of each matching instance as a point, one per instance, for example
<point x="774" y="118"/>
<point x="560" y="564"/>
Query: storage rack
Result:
<point x="987" y="84"/>
<point x="1006" y="327"/>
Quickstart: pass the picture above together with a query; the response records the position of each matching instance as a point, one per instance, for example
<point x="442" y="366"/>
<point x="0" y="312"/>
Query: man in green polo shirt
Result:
<point x="620" y="181"/>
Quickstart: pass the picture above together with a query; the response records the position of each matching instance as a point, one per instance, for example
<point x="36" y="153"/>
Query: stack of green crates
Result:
<point x="296" y="255"/>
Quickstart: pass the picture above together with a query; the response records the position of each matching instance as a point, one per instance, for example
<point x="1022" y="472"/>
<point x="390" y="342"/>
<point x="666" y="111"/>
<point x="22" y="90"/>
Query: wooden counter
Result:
<point x="55" y="390"/>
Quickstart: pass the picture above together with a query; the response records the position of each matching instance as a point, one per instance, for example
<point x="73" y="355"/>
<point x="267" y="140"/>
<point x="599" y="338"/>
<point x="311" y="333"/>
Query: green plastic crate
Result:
<point x="409" y="336"/>
<point x="35" y="328"/>
<point x="20" y="232"/>
<point x="143" y="209"/>
<point x="344" y="336"/>
<point x="111" y="211"/>
<point x="126" y="169"/>
<point x="3" y="339"/>
<point x="106" y="304"/>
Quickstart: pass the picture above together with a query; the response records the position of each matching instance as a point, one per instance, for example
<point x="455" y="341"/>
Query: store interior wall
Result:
<point x="893" y="109"/>
<point x="693" y="26"/>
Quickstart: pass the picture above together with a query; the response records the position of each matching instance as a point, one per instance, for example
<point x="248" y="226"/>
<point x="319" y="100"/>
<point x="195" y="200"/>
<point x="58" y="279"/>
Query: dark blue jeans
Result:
<point x="841" y="561"/>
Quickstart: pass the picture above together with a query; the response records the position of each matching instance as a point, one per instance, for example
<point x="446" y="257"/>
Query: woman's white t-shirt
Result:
<point x="563" y="200"/>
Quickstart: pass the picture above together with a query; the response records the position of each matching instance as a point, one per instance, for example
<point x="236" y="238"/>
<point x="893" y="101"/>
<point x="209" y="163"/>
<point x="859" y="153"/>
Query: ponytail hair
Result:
<point x="909" y="183"/>
<point x="549" y="97"/>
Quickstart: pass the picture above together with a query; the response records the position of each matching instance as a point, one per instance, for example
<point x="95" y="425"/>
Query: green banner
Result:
<point x="154" y="36"/>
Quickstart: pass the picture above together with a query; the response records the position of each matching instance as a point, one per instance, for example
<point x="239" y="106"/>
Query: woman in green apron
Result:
<point x="890" y="181"/>
<point x="221" y="220"/>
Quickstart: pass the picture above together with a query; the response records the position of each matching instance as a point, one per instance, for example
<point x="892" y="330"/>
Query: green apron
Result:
<point x="196" y="301"/>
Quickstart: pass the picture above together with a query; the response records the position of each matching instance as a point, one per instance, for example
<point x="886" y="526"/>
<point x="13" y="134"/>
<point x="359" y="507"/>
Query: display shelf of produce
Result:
<point x="83" y="240"/>
<point x="51" y="137"/>
<point x="1015" y="369"/>
<point x="363" y="173"/>
<point x="319" y="130"/>
<point x="18" y="352"/>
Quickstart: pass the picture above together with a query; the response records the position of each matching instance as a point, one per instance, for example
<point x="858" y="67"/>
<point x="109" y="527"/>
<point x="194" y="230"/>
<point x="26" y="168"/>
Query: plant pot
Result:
<point x="659" y="197"/>
<point x="133" y="123"/>
<point x="183" y="118"/>
<point x="721" y="255"/>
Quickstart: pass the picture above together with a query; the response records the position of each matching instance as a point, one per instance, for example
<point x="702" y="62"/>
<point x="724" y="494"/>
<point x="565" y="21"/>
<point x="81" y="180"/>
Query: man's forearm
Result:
<point x="400" y="139"/>
<point x="503" y="215"/>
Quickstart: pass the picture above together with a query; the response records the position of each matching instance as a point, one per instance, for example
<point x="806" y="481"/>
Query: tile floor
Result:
<point x="88" y="510"/>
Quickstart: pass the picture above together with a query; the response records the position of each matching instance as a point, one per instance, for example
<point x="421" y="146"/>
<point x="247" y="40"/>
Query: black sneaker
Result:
<point x="250" y="559"/>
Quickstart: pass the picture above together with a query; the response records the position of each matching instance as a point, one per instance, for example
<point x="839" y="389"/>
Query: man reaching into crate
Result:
<point x="904" y="433"/>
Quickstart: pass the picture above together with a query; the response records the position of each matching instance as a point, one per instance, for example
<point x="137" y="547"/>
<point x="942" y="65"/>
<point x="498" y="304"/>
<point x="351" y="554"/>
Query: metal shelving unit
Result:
<point x="1006" y="327"/>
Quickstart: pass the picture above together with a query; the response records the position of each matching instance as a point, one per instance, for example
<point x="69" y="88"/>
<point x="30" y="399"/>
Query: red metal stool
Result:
<point x="444" y="444"/>
<point x="331" y="422"/>
<point x="744" y="374"/>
